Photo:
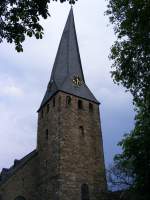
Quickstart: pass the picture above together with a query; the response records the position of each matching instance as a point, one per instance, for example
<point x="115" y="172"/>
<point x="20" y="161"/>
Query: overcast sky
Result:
<point x="24" y="78"/>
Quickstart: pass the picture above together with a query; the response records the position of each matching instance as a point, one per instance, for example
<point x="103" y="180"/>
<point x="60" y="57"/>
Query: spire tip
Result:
<point x="72" y="2"/>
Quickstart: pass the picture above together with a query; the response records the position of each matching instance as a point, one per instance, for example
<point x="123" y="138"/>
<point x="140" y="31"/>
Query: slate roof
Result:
<point x="7" y="173"/>
<point x="67" y="65"/>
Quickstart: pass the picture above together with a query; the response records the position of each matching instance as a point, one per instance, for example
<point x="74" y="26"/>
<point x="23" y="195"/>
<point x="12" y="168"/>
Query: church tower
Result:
<point x="69" y="144"/>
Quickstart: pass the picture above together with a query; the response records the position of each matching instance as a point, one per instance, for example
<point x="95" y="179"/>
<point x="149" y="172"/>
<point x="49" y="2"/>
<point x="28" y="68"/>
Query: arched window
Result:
<point x="47" y="108"/>
<point x="68" y="100"/>
<point x="53" y="101"/>
<point x="85" y="192"/>
<point x="20" y="198"/>
<point x="46" y="134"/>
<point x="80" y="104"/>
<point x="90" y="107"/>
<point x="81" y="129"/>
<point x="59" y="100"/>
<point x="23" y="182"/>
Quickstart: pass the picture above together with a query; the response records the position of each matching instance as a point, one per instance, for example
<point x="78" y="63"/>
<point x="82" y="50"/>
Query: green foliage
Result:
<point x="21" y="18"/>
<point x="131" y="68"/>
<point x="136" y="151"/>
<point x="131" y="51"/>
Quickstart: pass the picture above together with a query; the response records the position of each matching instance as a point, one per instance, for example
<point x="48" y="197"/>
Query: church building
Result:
<point x="68" y="163"/>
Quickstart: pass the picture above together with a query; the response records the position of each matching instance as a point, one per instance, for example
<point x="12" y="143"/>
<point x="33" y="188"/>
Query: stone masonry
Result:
<point x="73" y="156"/>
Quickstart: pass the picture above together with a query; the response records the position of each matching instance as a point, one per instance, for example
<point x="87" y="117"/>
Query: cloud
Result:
<point x="8" y="87"/>
<point x="24" y="78"/>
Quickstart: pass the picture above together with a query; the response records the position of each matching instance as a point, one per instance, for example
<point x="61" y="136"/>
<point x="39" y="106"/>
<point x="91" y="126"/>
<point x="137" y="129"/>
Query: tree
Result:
<point x="131" y="68"/>
<point x="21" y="18"/>
<point x="119" y="178"/>
<point x="136" y="152"/>
<point x="131" y="51"/>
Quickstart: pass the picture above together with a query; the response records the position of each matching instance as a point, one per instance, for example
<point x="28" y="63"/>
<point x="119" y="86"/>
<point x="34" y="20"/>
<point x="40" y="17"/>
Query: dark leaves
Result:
<point x="131" y="68"/>
<point x="131" y="52"/>
<point x="21" y="18"/>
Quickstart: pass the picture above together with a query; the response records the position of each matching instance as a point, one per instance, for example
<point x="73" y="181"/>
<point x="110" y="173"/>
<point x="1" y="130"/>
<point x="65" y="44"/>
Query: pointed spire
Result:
<point x="68" y="60"/>
<point x="67" y="74"/>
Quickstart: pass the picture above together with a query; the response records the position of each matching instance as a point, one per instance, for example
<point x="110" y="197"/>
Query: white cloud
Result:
<point x="24" y="77"/>
<point x="8" y="87"/>
<point x="11" y="90"/>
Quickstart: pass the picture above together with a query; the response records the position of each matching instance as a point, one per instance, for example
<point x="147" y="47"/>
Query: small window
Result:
<point x="81" y="129"/>
<point x="85" y="192"/>
<point x="90" y="107"/>
<point x="54" y="102"/>
<point x="59" y="103"/>
<point x="23" y="182"/>
<point x="46" y="134"/>
<point x="59" y="100"/>
<point x="47" y="108"/>
<point x="68" y="100"/>
<point x="80" y="104"/>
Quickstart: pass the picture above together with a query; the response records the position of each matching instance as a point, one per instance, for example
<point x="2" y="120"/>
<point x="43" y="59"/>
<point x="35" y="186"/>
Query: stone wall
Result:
<point x="73" y="151"/>
<point x="22" y="182"/>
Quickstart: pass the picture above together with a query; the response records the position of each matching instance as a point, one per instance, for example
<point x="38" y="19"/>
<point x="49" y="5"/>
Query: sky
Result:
<point x="24" y="78"/>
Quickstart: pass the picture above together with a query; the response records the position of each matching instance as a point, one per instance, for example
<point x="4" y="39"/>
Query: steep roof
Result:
<point x="7" y="173"/>
<point x="67" y="66"/>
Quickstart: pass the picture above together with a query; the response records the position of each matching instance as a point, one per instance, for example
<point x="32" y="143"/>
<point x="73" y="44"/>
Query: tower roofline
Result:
<point x="67" y="94"/>
<point x="67" y="73"/>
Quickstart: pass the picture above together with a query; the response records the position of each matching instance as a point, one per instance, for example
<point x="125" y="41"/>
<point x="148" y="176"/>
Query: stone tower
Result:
<point x="70" y="148"/>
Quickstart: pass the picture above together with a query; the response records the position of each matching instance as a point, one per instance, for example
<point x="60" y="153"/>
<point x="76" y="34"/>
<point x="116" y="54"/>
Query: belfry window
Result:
<point x="54" y="102"/>
<point x="46" y="134"/>
<point x="68" y="100"/>
<point x="90" y="107"/>
<point x="47" y="108"/>
<point x="80" y="104"/>
<point x="85" y="192"/>
<point x="59" y="100"/>
<point x="23" y="182"/>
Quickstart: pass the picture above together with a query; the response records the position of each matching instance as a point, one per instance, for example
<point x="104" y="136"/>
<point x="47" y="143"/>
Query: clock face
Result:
<point x="77" y="81"/>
